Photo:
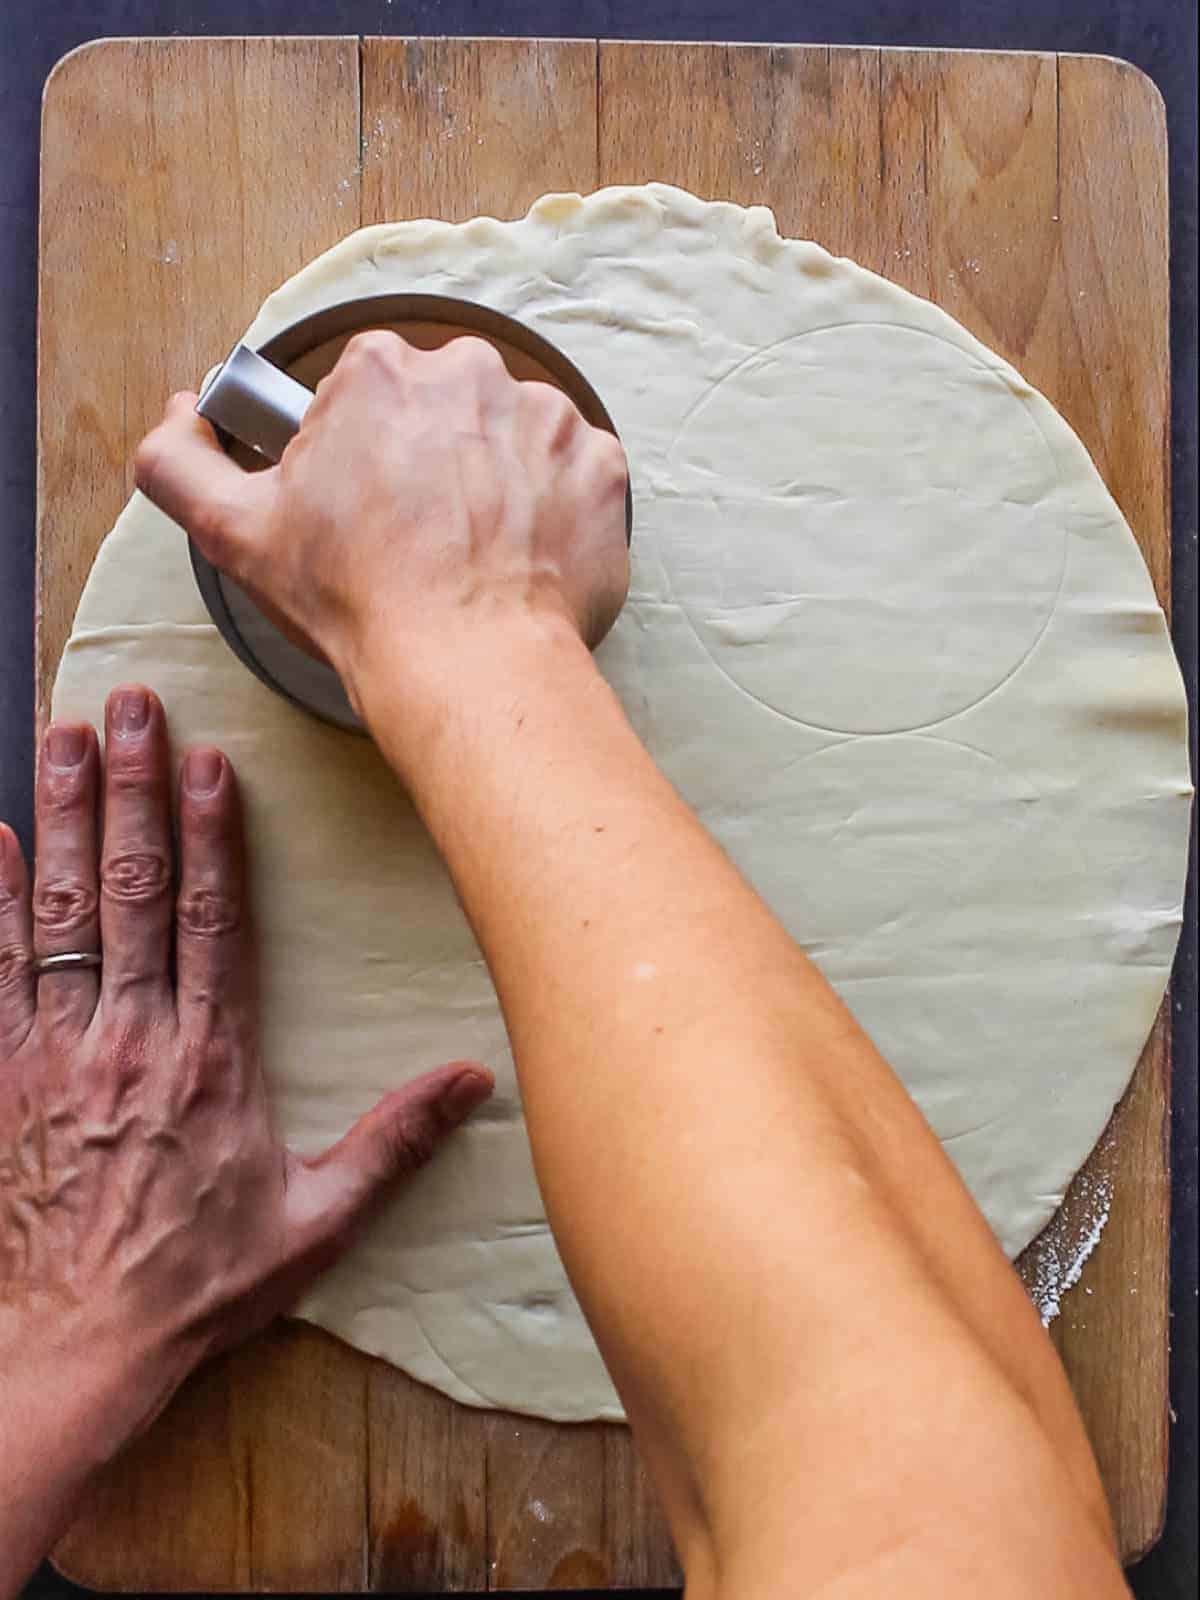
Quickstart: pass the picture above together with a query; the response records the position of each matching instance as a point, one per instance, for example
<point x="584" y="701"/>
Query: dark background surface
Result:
<point x="1157" y="35"/>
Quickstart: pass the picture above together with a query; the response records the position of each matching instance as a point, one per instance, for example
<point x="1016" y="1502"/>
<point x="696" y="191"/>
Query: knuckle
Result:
<point x="411" y="1144"/>
<point x="208" y="913"/>
<point x="469" y="356"/>
<point x="608" y="452"/>
<point x="554" y="412"/>
<point x="609" y="464"/>
<point x="136" y="877"/>
<point x="61" y="790"/>
<point x="132" y="768"/>
<point x="63" y="905"/>
<point x="480" y="353"/>
<point x="375" y="346"/>
<point x="546" y="400"/>
<point x="203" y="996"/>
<point x="16" y="968"/>
<point x="211" y="523"/>
<point x="147" y="459"/>
<point x="209" y="821"/>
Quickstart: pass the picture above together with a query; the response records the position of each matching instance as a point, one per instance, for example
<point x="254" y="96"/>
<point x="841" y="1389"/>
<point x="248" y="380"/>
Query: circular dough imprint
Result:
<point x="884" y="589"/>
<point x="889" y="635"/>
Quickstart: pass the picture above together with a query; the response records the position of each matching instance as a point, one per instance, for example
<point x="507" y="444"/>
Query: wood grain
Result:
<point x="454" y="128"/>
<point x="795" y="128"/>
<point x="1025" y="194"/>
<point x="171" y="215"/>
<point x="1109" y="325"/>
<point x="1030" y="211"/>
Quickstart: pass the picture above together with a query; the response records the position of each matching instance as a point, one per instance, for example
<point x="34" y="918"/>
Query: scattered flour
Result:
<point x="1055" y="1260"/>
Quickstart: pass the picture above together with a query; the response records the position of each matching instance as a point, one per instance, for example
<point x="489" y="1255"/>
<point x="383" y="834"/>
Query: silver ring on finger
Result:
<point x="69" y="961"/>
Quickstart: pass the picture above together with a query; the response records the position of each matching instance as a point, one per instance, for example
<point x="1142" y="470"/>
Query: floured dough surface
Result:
<point x="889" y="635"/>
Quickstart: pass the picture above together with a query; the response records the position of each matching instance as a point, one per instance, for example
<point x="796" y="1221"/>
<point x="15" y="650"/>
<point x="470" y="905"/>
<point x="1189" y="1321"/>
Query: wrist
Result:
<point x="63" y="1415"/>
<point x="422" y="690"/>
<point x="79" y="1390"/>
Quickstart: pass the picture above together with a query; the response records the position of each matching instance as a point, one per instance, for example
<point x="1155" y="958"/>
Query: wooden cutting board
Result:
<point x="184" y="179"/>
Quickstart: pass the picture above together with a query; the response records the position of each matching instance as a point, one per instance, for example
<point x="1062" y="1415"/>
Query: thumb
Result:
<point x="327" y="1196"/>
<point x="182" y="468"/>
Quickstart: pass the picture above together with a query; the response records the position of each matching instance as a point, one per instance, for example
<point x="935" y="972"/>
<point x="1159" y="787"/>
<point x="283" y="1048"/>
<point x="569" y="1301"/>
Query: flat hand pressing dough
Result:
<point x="889" y="635"/>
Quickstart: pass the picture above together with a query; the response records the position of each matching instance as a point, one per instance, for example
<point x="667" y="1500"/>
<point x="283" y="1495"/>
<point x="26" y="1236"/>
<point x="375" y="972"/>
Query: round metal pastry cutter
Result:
<point x="256" y="400"/>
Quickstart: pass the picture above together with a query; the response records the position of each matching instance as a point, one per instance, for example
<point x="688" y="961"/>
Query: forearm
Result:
<point x="39" y="1494"/>
<point x="674" y="1047"/>
<point x="816" y="1337"/>
<point x="61" y="1417"/>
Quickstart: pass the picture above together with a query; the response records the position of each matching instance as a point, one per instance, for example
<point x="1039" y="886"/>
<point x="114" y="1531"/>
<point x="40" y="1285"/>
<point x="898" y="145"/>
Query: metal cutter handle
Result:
<point x="254" y="401"/>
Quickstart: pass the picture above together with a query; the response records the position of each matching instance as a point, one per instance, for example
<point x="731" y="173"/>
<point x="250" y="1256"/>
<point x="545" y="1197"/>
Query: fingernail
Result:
<point x="202" y="772"/>
<point x="465" y="1094"/>
<point x="65" y="747"/>
<point x="131" y="711"/>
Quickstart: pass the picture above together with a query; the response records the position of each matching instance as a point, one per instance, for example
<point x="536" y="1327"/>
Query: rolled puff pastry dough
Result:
<point x="889" y="635"/>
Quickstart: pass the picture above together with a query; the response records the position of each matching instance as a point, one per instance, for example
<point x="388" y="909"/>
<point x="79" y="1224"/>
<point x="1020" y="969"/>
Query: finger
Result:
<point x="136" y="903"/>
<point x="16" y="946"/>
<point x="181" y="466"/>
<point x="209" y="940"/>
<point x="326" y="1197"/>
<point x="65" y="903"/>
